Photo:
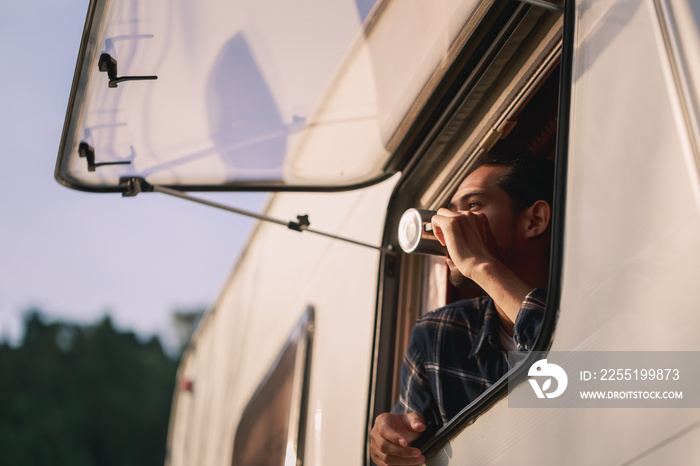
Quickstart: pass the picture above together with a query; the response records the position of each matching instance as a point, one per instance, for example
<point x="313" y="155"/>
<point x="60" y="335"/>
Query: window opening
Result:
<point x="531" y="130"/>
<point x="510" y="105"/>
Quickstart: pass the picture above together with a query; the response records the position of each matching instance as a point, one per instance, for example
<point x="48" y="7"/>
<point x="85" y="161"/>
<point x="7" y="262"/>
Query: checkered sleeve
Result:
<point x="416" y="392"/>
<point x="529" y="321"/>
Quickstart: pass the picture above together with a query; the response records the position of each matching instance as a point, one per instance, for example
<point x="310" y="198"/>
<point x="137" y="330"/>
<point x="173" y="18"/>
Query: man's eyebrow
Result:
<point x="465" y="196"/>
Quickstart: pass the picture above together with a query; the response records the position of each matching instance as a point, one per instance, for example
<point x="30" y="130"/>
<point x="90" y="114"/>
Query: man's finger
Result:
<point x="388" y="454"/>
<point x="384" y="449"/>
<point x="388" y="429"/>
<point x="391" y="436"/>
<point x="415" y="422"/>
<point x="447" y="212"/>
<point x="439" y="223"/>
<point x="394" y="461"/>
<point x="436" y="221"/>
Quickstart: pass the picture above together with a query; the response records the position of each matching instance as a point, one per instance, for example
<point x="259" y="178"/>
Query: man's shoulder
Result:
<point x="468" y="312"/>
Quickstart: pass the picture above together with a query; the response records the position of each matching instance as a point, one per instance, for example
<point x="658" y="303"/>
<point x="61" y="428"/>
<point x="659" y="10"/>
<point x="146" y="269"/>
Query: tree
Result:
<point x="83" y="395"/>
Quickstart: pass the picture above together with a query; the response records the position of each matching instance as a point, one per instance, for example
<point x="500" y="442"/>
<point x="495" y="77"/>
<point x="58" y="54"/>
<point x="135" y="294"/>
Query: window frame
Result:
<point x="544" y="340"/>
<point x="379" y="170"/>
<point x="300" y="340"/>
<point x="390" y="282"/>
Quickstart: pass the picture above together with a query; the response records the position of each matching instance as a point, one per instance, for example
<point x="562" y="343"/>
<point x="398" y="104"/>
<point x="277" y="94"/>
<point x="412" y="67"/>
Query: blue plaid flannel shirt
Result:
<point x="455" y="354"/>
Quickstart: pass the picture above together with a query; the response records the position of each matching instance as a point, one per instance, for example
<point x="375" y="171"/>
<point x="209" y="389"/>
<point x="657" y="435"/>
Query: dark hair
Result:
<point x="528" y="178"/>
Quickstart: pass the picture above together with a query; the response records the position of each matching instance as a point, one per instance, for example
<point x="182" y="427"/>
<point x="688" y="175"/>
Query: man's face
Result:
<point x="480" y="193"/>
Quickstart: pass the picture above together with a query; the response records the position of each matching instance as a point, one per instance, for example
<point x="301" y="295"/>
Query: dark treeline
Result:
<point x="83" y="395"/>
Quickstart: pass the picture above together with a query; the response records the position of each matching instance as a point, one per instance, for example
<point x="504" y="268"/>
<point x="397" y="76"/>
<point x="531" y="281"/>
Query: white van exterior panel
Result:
<point x="281" y="273"/>
<point x="632" y="251"/>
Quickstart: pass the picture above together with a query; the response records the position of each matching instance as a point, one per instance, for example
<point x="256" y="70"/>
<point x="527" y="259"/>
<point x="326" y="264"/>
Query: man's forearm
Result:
<point x="506" y="288"/>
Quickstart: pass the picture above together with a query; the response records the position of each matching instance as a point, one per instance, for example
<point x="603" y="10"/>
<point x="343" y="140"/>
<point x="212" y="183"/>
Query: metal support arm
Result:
<point x="133" y="186"/>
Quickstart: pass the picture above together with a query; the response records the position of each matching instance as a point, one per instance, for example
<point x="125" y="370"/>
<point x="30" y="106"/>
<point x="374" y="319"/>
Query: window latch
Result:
<point x="109" y="65"/>
<point x="85" y="150"/>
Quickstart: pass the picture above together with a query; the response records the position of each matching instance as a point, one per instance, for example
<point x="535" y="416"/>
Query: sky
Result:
<point x="78" y="256"/>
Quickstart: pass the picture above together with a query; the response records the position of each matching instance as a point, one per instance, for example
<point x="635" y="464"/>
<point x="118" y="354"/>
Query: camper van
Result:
<point x="351" y="112"/>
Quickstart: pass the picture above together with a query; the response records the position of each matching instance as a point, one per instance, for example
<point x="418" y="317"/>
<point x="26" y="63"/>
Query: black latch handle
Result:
<point x="109" y="65"/>
<point x="85" y="150"/>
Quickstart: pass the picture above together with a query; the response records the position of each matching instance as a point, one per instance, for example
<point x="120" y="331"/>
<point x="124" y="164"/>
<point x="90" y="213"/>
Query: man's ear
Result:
<point x="537" y="218"/>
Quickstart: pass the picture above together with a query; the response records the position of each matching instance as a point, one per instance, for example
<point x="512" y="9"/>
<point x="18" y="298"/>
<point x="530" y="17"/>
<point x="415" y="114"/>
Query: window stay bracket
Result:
<point x="134" y="185"/>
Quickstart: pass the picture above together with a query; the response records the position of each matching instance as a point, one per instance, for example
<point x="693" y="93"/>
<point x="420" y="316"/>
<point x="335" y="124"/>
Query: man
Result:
<point x="496" y="231"/>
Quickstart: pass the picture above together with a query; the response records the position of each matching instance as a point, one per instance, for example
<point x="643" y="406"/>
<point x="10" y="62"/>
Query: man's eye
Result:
<point x="474" y="205"/>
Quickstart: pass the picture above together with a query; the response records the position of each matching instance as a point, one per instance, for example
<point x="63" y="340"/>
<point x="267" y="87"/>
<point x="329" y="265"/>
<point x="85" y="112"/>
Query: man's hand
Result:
<point x="391" y="437"/>
<point x="468" y="238"/>
<point x="473" y="250"/>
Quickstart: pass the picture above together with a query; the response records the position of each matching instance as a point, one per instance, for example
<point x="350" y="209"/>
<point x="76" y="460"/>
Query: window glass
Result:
<point x="250" y="93"/>
<point x="271" y="428"/>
